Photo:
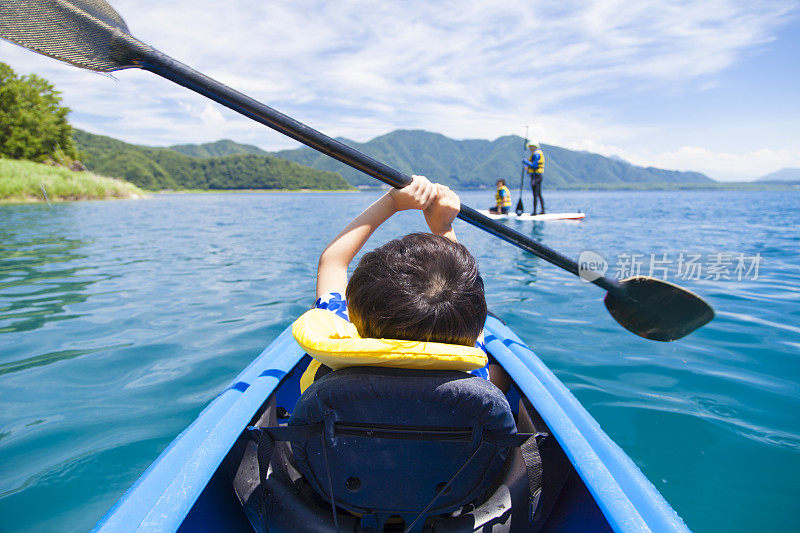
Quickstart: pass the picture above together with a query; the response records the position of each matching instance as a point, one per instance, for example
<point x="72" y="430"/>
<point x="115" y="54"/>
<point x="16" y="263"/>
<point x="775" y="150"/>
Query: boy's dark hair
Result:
<point x="501" y="181"/>
<point x="422" y="287"/>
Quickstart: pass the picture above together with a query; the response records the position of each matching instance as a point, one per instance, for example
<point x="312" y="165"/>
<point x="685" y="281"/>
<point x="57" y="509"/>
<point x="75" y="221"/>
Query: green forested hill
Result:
<point x="581" y="169"/>
<point x="478" y="163"/>
<point x="163" y="168"/>
<point x="474" y="163"/>
<point x="218" y="149"/>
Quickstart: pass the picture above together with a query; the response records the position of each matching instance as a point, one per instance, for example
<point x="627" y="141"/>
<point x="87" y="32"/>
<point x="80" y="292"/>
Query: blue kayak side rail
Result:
<point x="165" y="493"/>
<point x="626" y="497"/>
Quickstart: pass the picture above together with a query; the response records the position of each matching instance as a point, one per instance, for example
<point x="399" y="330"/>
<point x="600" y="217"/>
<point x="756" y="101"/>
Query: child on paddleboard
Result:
<point x="421" y="287"/>
<point x="503" y="199"/>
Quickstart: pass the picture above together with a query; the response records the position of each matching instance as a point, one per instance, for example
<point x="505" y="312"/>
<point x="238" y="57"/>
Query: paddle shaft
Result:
<point x="175" y="71"/>
<point x="520" y="206"/>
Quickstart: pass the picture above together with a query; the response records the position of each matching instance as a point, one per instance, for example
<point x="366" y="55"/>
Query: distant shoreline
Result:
<point x="39" y="199"/>
<point x="720" y="186"/>
<point x="663" y="187"/>
<point x="26" y="182"/>
<point x="248" y="191"/>
<point x="734" y="186"/>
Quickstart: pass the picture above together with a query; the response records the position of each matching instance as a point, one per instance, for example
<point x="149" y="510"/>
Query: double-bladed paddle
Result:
<point x="90" y="34"/>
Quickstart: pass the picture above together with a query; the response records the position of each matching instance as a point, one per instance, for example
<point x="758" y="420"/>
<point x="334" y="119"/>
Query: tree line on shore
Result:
<point x="161" y="168"/>
<point x="33" y="123"/>
<point x="34" y="126"/>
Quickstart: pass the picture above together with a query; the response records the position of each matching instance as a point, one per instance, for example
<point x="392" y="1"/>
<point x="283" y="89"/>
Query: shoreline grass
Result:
<point x="27" y="182"/>
<point x="249" y="191"/>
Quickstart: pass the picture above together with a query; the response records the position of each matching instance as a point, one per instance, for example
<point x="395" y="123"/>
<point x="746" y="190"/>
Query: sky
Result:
<point x="705" y="85"/>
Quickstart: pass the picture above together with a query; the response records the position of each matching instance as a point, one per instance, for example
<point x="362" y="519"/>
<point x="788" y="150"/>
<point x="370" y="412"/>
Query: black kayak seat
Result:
<point x="382" y="442"/>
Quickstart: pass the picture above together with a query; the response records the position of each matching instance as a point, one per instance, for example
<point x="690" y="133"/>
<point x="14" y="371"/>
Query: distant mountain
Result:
<point x="478" y="163"/>
<point x="218" y="149"/>
<point x="784" y="174"/>
<point x="164" y="168"/>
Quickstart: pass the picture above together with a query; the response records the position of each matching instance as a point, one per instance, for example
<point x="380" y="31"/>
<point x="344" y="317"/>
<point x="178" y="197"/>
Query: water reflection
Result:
<point x="38" y="279"/>
<point x="47" y="358"/>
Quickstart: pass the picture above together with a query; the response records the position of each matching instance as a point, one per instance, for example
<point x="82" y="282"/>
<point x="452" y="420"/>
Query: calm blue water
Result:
<point x="120" y="321"/>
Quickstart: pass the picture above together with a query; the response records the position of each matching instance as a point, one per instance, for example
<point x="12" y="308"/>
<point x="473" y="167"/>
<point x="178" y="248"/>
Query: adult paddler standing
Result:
<point x="536" y="171"/>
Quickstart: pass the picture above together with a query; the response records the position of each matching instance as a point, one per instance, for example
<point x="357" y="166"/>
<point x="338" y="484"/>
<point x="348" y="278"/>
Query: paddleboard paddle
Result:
<point x="521" y="208"/>
<point x="90" y="34"/>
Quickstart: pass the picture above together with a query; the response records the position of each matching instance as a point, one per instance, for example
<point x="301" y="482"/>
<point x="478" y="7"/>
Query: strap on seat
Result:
<point x="533" y="467"/>
<point x="265" y="437"/>
<point x="302" y="432"/>
<point x="285" y="433"/>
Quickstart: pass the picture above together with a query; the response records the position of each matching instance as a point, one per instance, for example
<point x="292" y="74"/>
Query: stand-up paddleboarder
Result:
<point x="536" y="170"/>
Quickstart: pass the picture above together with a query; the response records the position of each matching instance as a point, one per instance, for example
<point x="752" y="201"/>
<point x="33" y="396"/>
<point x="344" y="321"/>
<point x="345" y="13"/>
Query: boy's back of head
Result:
<point x="421" y="287"/>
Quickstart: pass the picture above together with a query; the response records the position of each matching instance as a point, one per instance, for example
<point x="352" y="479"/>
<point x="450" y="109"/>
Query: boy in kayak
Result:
<point x="421" y="287"/>
<point x="503" y="199"/>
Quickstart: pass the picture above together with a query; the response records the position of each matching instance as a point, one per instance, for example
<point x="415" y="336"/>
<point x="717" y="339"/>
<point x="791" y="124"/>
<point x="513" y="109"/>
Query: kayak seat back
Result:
<point x="402" y="442"/>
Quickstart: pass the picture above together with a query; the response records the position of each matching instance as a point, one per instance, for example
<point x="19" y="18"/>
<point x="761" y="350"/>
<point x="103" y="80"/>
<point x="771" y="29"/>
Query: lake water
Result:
<point x="121" y="320"/>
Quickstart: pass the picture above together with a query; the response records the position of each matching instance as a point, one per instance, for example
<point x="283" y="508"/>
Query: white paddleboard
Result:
<point x="529" y="217"/>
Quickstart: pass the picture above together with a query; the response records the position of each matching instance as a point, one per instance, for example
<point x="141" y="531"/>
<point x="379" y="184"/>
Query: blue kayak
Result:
<point x="189" y="486"/>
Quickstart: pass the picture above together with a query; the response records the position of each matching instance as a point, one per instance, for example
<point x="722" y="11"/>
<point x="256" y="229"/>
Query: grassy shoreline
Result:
<point x="29" y="182"/>
<point x="248" y="191"/>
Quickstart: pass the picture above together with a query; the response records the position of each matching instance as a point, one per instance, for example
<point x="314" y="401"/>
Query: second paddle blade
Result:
<point x="656" y="309"/>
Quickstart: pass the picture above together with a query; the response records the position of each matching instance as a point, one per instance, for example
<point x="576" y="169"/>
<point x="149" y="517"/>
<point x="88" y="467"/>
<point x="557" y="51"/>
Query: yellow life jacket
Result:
<point x="540" y="166"/>
<point x="334" y="342"/>
<point x="503" y="201"/>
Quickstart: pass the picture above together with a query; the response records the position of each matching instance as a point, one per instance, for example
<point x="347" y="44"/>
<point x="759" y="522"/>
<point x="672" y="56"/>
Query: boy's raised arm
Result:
<point x="334" y="260"/>
<point x="442" y="211"/>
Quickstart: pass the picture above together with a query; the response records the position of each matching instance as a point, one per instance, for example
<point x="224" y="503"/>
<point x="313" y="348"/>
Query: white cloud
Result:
<point x="358" y="68"/>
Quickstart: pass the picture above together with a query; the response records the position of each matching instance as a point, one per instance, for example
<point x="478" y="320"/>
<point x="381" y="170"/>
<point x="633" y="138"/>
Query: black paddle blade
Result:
<point x="520" y="208"/>
<point x="656" y="309"/>
<point x="86" y="33"/>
